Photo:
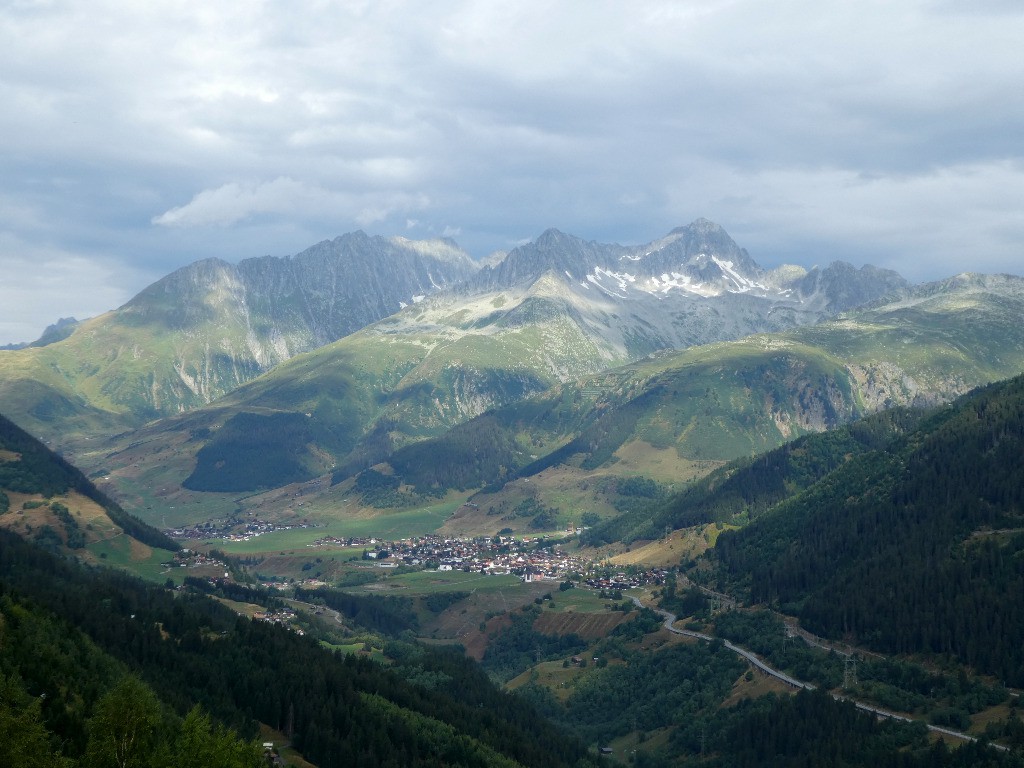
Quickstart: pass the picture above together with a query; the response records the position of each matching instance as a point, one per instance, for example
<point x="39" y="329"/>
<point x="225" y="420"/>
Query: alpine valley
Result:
<point x="425" y="359"/>
<point x="660" y="360"/>
<point x="664" y="460"/>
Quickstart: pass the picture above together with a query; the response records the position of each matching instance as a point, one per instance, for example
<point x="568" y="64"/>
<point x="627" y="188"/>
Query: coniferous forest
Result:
<point x="339" y="710"/>
<point x="916" y="546"/>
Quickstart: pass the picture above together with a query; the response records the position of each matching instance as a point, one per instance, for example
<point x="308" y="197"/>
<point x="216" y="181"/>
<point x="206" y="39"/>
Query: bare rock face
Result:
<point x="205" y="329"/>
<point x="693" y="286"/>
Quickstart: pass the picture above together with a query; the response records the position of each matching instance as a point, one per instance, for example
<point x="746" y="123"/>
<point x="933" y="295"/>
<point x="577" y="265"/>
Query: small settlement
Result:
<point x="530" y="559"/>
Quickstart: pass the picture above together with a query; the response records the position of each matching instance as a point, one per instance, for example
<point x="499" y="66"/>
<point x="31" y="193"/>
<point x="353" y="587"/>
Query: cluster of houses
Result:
<point x="231" y="530"/>
<point x="283" y="616"/>
<point x="498" y="555"/>
<point x="190" y="558"/>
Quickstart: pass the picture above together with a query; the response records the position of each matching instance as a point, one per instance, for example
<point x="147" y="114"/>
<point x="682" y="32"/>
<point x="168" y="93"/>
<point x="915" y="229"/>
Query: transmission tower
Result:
<point x="849" y="672"/>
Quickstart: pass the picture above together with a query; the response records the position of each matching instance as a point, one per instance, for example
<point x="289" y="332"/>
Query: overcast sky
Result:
<point x="137" y="137"/>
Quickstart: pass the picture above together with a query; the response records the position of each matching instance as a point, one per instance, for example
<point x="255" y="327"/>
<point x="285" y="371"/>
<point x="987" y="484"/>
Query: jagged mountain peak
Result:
<point x="554" y="240"/>
<point x="205" y="329"/>
<point x="700" y="226"/>
<point x="53" y="333"/>
<point x="702" y="248"/>
<point x="354" y="247"/>
<point x="184" y="298"/>
<point x="699" y="260"/>
<point x="843" y="286"/>
<point x="703" y="245"/>
<point x="552" y="250"/>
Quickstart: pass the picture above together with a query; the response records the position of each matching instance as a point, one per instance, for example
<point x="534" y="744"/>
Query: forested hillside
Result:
<point x="80" y="647"/>
<point x="27" y="466"/>
<point x="340" y="710"/>
<point x="914" y="546"/>
<point x="85" y="652"/>
<point x="744" y="489"/>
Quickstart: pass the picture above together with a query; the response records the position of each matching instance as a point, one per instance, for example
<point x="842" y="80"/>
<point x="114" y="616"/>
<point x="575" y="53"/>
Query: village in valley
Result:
<point x="529" y="559"/>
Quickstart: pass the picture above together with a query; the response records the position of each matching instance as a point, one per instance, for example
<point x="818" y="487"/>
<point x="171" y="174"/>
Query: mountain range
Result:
<point x="203" y="330"/>
<point x="277" y="371"/>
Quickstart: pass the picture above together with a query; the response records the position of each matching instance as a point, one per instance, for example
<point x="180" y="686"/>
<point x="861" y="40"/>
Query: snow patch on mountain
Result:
<point x="742" y="283"/>
<point x="622" y="281"/>
<point x="666" y="282"/>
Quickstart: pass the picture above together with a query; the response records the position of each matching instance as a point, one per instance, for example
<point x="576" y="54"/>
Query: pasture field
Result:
<point x="579" y="600"/>
<point x="136" y="558"/>
<point x="551" y="674"/>
<point x="589" y="626"/>
<point x="429" y="582"/>
<point x="390" y="527"/>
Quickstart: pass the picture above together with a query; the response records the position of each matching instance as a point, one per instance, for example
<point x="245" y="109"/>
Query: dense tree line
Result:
<point x="519" y="646"/>
<point x="339" y="710"/>
<point x="253" y="451"/>
<point x="389" y="615"/>
<point x="894" y="684"/>
<point x="682" y="688"/>
<point x="652" y="690"/>
<point x="437" y="602"/>
<point x="468" y="456"/>
<point x="64" y="701"/>
<point x="912" y="548"/>
<point x="811" y="728"/>
<point x="232" y="590"/>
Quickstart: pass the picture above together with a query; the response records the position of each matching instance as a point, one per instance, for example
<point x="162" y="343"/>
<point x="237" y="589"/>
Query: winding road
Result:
<point x="756" y="661"/>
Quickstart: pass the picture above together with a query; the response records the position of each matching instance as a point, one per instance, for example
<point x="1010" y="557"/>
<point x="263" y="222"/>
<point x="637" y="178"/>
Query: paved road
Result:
<point x="754" y="659"/>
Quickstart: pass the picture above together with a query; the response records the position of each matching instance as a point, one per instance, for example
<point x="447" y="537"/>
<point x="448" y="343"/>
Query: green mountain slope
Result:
<point x="51" y="491"/>
<point x="916" y="546"/>
<point x="744" y="489"/>
<point x="351" y="403"/>
<point x="387" y="394"/>
<point x="552" y="311"/>
<point x="721" y="401"/>
<point x="207" y="328"/>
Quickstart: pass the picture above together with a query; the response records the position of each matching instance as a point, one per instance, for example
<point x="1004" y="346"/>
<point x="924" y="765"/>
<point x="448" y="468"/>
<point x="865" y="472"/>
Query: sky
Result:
<point x="138" y="137"/>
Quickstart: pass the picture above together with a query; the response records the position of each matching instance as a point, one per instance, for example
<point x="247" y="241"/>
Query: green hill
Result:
<point x="440" y="397"/>
<point x="721" y="401"/>
<point x="912" y="545"/>
<point x="54" y="492"/>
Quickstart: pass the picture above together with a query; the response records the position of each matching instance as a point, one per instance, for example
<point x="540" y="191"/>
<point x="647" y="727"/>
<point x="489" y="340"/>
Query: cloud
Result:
<point x="162" y="132"/>
<point x="926" y="225"/>
<point x="53" y="283"/>
<point x="233" y="202"/>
